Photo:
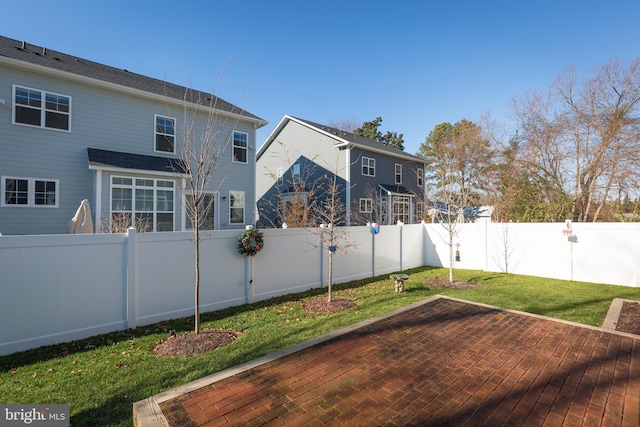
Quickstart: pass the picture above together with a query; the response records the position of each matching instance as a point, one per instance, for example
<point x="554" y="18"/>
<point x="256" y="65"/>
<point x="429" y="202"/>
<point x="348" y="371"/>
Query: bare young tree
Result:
<point x="292" y="197"/>
<point x="204" y="140"/>
<point x="329" y="216"/>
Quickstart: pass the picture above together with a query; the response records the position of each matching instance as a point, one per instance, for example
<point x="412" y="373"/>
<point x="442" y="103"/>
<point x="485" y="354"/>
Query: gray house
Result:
<point x="72" y="129"/>
<point x="379" y="183"/>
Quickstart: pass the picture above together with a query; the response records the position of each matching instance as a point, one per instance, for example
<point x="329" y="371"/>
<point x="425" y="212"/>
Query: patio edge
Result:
<point x="147" y="412"/>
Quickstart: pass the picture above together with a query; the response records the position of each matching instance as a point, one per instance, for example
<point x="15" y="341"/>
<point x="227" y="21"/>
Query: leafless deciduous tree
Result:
<point x="581" y="139"/>
<point x="293" y="195"/>
<point x="329" y="217"/>
<point x="204" y="138"/>
<point x="346" y="125"/>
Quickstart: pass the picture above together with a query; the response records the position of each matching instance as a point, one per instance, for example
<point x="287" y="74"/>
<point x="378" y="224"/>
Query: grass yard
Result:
<point x="101" y="377"/>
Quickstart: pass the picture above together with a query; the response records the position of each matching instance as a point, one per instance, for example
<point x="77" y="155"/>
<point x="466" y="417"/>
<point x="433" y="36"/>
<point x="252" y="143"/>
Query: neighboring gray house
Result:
<point x="72" y="129"/>
<point x="380" y="183"/>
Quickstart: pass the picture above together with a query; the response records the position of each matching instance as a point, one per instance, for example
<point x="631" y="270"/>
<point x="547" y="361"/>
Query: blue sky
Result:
<point x="414" y="63"/>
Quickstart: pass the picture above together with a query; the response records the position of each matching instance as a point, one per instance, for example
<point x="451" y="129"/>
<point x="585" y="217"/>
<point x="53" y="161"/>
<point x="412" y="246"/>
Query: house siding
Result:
<point x="105" y="119"/>
<point x="310" y="148"/>
<point x="342" y="155"/>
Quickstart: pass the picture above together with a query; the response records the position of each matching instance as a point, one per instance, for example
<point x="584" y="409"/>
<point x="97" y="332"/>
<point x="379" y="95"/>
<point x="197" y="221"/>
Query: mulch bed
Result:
<point x="629" y="320"/>
<point x="190" y="344"/>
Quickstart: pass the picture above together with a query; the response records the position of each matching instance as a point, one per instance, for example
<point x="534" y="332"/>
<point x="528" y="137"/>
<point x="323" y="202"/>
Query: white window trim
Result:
<point x="233" y="147"/>
<point x="133" y="186"/>
<point x="43" y="109"/>
<point x="368" y="202"/>
<point x="156" y="133"/>
<point x="279" y="176"/>
<point x="31" y="192"/>
<point x="368" y="160"/>
<point x="244" y="208"/>
<point x="398" y="175"/>
<point x="420" y="174"/>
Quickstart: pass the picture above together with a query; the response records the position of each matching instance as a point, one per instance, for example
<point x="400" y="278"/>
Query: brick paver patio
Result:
<point x="442" y="362"/>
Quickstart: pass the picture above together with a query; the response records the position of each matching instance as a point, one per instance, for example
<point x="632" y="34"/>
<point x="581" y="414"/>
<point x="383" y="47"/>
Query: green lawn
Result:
<point x="101" y="377"/>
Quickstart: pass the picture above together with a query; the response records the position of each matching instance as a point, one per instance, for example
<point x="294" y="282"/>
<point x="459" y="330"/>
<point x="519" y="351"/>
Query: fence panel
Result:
<point x="66" y="287"/>
<point x="60" y="288"/>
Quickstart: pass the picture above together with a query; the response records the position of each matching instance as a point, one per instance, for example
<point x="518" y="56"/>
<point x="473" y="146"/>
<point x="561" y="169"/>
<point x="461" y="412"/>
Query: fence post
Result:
<point x="400" y="224"/>
<point x="131" y="268"/>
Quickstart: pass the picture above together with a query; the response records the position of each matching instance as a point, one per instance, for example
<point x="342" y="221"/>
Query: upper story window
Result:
<point x="33" y="107"/>
<point x="398" y="174"/>
<point x="368" y="166"/>
<point x="240" y="145"/>
<point x="420" y="175"/>
<point x="165" y="134"/>
<point x="30" y="192"/>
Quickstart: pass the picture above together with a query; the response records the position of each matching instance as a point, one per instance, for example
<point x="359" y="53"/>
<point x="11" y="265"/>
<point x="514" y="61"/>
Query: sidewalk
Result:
<point x="442" y="361"/>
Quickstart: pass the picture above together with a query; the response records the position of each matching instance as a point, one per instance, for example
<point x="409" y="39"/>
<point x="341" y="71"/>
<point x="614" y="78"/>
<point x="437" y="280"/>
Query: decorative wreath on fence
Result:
<point x="250" y="242"/>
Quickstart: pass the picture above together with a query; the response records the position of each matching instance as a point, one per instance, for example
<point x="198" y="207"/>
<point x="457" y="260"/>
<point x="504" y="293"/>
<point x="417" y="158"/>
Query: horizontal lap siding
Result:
<point x="101" y="119"/>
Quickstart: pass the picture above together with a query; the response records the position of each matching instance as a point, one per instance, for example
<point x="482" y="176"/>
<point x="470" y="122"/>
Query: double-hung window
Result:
<point x="420" y="174"/>
<point x="398" y="173"/>
<point x="30" y="192"/>
<point x="236" y="207"/>
<point x="366" y="205"/>
<point x="240" y="145"/>
<point x="368" y="166"/>
<point x="33" y="107"/>
<point x="147" y="204"/>
<point x="165" y="134"/>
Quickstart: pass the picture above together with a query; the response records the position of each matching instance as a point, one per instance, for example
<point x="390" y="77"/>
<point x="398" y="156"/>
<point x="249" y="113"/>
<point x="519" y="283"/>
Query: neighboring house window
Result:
<point x="30" y="192"/>
<point x="236" y="207"/>
<point x="296" y="173"/>
<point x="207" y="219"/>
<point x="368" y="166"/>
<point x="165" y="134"/>
<point x="366" y="205"/>
<point x="146" y="204"/>
<point x="398" y="174"/>
<point x="240" y="147"/>
<point x="419" y="211"/>
<point x="420" y="174"/>
<point x="383" y="209"/>
<point x="33" y="107"/>
<point x="279" y="173"/>
<point x="401" y="207"/>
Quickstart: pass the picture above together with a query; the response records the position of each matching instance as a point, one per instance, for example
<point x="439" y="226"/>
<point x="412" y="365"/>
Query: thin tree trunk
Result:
<point x="197" y="287"/>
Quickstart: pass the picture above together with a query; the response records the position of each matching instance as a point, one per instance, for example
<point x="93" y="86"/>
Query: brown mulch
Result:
<point x="446" y="284"/>
<point x="191" y="344"/>
<point x="629" y="320"/>
<point x="323" y="306"/>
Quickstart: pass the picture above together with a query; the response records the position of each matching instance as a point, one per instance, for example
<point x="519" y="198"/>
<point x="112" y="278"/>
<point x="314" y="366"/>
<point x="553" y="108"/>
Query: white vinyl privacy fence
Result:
<point x="57" y="288"/>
